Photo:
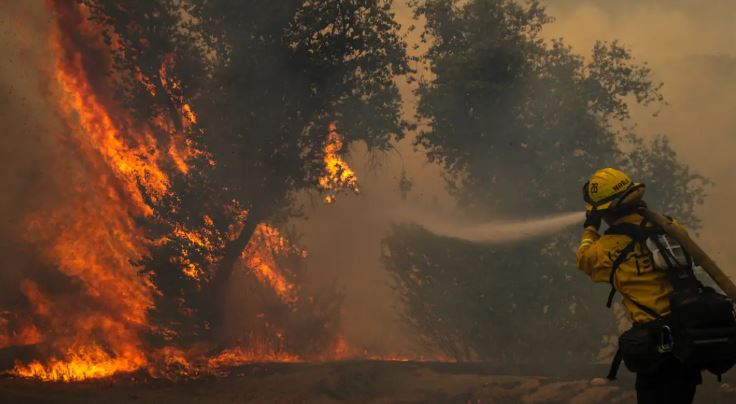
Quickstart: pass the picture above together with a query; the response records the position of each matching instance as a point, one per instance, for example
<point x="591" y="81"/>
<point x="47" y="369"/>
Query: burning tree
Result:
<point x="193" y="123"/>
<point x="517" y="123"/>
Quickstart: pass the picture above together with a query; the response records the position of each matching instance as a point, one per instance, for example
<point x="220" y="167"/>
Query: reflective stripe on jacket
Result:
<point x="636" y="277"/>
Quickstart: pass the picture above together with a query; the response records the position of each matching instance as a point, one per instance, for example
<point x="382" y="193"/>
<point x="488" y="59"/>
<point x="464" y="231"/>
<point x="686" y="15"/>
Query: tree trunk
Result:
<point x="235" y="248"/>
<point x="232" y="252"/>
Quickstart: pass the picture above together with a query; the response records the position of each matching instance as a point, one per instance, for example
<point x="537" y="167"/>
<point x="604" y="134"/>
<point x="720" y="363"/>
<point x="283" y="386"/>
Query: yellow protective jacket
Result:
<point x="636" y="277"/>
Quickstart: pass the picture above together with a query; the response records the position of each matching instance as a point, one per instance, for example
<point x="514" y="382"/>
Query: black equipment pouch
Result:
<point x="641" y="345"/>
<point x="705" y="329"/>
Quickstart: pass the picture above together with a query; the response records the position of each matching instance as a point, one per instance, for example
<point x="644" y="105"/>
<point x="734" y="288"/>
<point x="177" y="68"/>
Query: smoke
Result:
<point x="344" y="239"/>
<point x="687" y="47"/>
<point x="29" y="148"/>
<point x="690" y="47"/>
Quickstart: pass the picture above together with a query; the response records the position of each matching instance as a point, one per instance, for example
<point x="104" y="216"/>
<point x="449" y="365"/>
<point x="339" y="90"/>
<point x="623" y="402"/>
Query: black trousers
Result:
<point x="671" y="383"/>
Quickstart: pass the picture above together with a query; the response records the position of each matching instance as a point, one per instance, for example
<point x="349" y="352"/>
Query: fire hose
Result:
<point x="698" y="255"/>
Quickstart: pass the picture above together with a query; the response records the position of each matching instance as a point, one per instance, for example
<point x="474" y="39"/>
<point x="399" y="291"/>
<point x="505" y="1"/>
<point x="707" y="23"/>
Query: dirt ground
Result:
<point x="353" y="382"/>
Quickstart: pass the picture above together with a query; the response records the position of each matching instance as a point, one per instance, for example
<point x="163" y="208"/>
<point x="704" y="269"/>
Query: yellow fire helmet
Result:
<point x="611" y="189"/>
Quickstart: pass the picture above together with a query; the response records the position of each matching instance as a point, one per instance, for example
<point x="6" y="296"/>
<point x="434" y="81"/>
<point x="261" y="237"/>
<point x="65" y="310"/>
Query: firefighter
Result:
<point x="611" y="196"/>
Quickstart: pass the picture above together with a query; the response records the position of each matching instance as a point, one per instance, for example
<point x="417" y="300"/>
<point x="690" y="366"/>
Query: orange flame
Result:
<point x="337" y="173"/>
<point x="85" y="362"/>
<point x="91" y="236"/>
<point x="239" y="356"/>
<point x="260" y="256"/>
<point x="205" y="238"/>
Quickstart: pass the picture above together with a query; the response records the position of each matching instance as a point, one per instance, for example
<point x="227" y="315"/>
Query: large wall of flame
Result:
<point x="76" y="289"/>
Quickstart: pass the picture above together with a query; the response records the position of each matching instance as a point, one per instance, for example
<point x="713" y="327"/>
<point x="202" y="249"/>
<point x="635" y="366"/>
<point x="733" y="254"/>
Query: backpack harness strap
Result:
<point x="638" y="233"/>
<point x="615" y="364"/>
<point x="616" y="264"/>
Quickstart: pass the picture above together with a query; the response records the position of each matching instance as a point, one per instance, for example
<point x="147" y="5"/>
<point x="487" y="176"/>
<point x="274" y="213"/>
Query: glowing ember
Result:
<point x="204" y="239"/>
<point x="342" y="350"/>
<point x="171" y="363"/>
<point x="180" y="148"/>
<point x="173" y="89"/>
<point x="240" y="356"/>
<point x="23" y="333"/>
<point x="337" y="173"/>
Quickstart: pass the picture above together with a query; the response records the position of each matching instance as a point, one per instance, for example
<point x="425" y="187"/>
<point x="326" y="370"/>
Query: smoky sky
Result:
<point x="691" y="48"/>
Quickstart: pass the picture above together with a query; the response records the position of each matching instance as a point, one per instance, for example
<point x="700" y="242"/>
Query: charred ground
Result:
<point x="353" y="381"/>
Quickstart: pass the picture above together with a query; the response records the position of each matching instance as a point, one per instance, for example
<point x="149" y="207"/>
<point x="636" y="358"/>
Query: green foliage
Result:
<point x="519" y="124"/>
<point x="493" y="303"/>
<point x="674" y="188"/>
<point x="501" y="96"/>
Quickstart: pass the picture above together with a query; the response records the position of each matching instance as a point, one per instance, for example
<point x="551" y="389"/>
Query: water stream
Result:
<point x="497" y="231"/>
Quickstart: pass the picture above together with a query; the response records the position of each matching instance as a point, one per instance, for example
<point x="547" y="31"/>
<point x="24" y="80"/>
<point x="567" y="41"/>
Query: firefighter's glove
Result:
<point x="592" y="218"/>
